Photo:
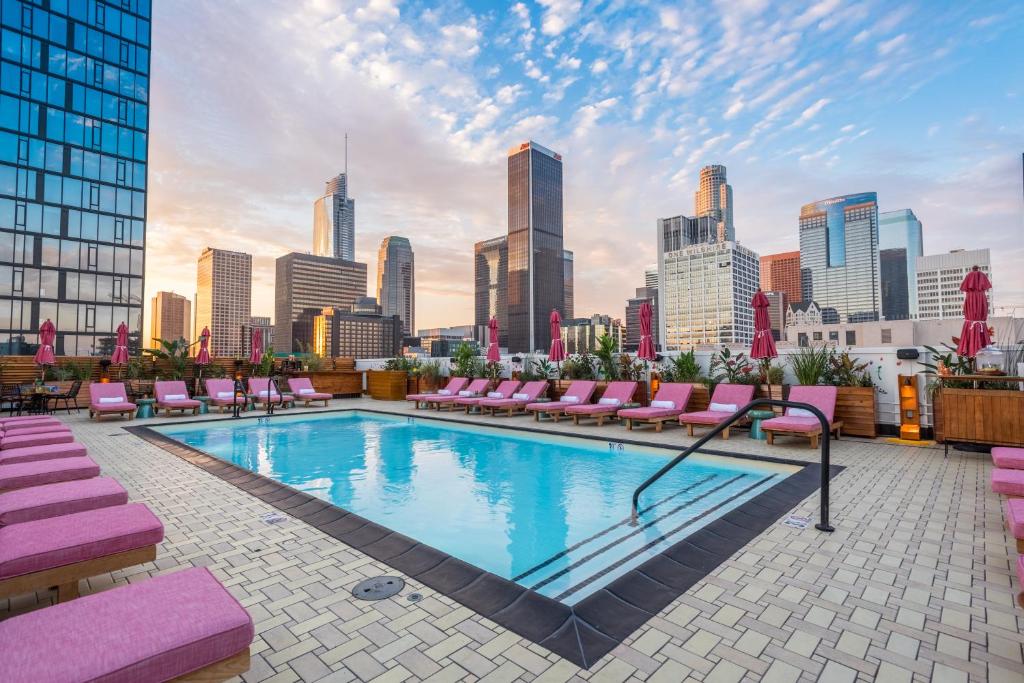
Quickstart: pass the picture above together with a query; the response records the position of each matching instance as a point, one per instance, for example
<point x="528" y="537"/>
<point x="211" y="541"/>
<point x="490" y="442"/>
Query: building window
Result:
<point x="817" y="336"/>
<point x="833" y="335"/>
<point x="851" y="338"/>
<point x="886" y="336"/>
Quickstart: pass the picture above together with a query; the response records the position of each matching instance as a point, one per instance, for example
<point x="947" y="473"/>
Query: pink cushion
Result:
<point x="59" y="541"/>
<point x="791" y="423"/>
<point x="1008" y="458"/>
<point x="64" y="498"/>
<point x="592" y="409"/>
<point x="153" y="630"/>
<point x="31" y="424"/>
<point x="1008" y="482"/>
<point x="1020" y="570"/>
<point x="648" y="412"/>
<point x="705" y="417"/>
<point x="111" y="407"/>
<point x="14" y="419"/>
<point x="1015" y="516"/>
<point x="315" y="396"/>
<point x="41" y="472"/>
<point x="179" y="403"/>
<point x="549" y="407"/>
<point x="41" y="428"/>
<point x="35" y="440"/>
<point x="11" y="456"/>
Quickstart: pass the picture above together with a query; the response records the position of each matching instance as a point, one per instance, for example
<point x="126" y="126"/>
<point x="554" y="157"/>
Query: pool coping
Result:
<point x="581" y="633"/>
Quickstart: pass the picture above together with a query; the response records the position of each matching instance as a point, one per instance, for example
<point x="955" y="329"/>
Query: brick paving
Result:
<point x="916" y="583"/>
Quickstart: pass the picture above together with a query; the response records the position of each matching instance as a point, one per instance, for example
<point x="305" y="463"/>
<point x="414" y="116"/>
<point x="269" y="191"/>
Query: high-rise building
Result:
<point x="304" y="285"/>
<point x="396" y="281"/>
<point x="170" y="318"/>
<point x="262" y="323"/>
<point x="334" y="221"/>
<point x="713" y="199"/>
<point x="441" y="342"/>
<point x="839" y="255"/>
<point x="938" y="282"/>
<point x="490" y="275"/>
<point x="73" y="158"/>
<point x="781" y="273"/>
<point x="338" y="333"/>
<point x="569" y="308"/>
<point x="684" y="231"/>
<point x="223" y="298"/>
<point x="536" y="268"/>
<point x="632" y="333"/>
<point x="581" y="334"/>
<point x="651" y="276"/>
<point x="778" y="304"/>
<point x="899" y="237"/>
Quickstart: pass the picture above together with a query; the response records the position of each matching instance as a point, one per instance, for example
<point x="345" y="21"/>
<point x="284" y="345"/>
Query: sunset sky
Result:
<point x="922" y="102"/>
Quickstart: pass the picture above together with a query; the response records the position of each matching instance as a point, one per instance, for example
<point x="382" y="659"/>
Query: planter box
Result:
<point x="857" y="407"/>
<point x="984" y="416"/>
<point x="386" y="385"/>
<point x="334" y="382"/>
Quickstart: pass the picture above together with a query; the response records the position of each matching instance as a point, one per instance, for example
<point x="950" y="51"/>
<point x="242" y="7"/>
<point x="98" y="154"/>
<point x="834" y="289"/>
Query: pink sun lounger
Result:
<point x="503" y="390"/>
<point x="800" y="421"/>
<point x="222" y="394"/>
<point x="16" y="419"/>
<point x="109" y="399"/>
<point x="181" y="626"/>
<point x="60" y="551"/>
<point x="1008" y="458"/>
<point x="726" y="400"/>
<point x="41" y="428"/>
<point x="20" y="425"/>
<point x="1008" y="482"/>
<point x="172" y="395"/>
<point x="517" y="401"/>
<point x="667" y="405"/>
<point x="454" y="386"/>
<point x="578" y="393"/>
<point x="24" y="474"/>
<point x="263" y="391"/>
<point x="476" y="388"/>
<point x="63" y="498"/>
<point x="1015" y="520"/>
<point x="615" y="395"/>
<point x="12" y="456"/>
<point x="18" y="440"/>
<point x="303" y="390"/>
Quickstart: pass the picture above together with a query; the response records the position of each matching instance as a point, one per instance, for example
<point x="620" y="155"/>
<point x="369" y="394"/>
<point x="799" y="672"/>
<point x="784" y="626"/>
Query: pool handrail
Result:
<point x="823" y="524"/>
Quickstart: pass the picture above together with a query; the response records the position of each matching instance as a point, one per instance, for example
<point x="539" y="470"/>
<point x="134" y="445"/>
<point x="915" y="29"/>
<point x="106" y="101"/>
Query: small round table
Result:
<point x="756" y="418"/>
<point x="145" y="407"/>
<point x="204" y="408"/>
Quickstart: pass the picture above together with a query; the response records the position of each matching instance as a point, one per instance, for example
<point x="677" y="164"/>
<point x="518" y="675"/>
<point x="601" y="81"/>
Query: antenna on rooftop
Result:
<point x="346" y="156"/>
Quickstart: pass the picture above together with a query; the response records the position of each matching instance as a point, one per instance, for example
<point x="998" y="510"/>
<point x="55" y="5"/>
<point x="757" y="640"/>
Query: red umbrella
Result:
<point x="47" y="335"/>
<point x="493" y="352"/>
<point x="203" y="357"/>
<point x="763" y="348"/>
<point x="256" y="354"/>
<point x="646" y="350"/>
<point x="974" y="336"/>
<point x="557" y="352"/>
<point x="120" y="355"/>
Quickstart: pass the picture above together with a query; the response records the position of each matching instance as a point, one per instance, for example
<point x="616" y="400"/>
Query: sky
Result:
<point x="921" y="102"/>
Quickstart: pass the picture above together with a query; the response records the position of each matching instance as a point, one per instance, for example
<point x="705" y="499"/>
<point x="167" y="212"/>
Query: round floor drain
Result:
<point x="414" y="597"/>
<point x="378" y="588"/>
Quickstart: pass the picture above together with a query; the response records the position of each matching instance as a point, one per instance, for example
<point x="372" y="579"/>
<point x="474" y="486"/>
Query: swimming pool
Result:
<point x="545" y="511"/>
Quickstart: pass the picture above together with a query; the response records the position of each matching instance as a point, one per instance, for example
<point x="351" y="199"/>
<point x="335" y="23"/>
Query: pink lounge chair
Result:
<point x="222" y="394"/>
<point x="37" y="473"/>
<point x="454" y="386"/>
<point x="63" y="498"/>
<point x="109" y="399"/>
<point x="1008" y="457"/>
<point x="518" y="401"/>
<point x="60" y="551"/>
<point x="578" y="393"/>
<point x="1015" y="521"/>
<point x="181" y="626"/>
<point x="263" y="391"/>
<point x="17" y="419"/>
<point x="725" y="401"/>
<point x="40" y="428"/>
<point x="668" y="404"/>
<point x="615" y="394"/>
<point x="13" y="456"/>
<point x="173" y="395"/>
<point x="20" y="425"/>
<point x="476" y="388"/>
<point x="801" y="422"/>
<point x="303" y="390"/>
<point x="503" y="390"/>
<point x="1008" y="482"/>
<point x="18" y="440"/>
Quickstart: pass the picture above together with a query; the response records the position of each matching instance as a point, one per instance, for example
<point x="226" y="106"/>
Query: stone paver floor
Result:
<point x="916" y="583"/>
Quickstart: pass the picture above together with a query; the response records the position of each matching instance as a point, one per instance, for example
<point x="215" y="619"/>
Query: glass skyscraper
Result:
<point x="334" y="221"/>
<point x="74" y="116"/>
<point x="396" y="281"/>
<point x="899" y="237"/>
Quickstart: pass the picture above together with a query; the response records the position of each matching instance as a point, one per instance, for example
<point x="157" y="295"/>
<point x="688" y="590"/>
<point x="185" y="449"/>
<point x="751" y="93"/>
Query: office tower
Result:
<point x="223" y="298"/>
<point x="581" y="334"/>
<point x="536" y="270"/>
<point x="170" y="318"/>
<point x="651" y="276"/>
<point x="490" y="277"/>
<point x="334" y="221"/>
<point x="304" y="285"/>
<point x="396" y="281"/>
<point x="839" y="255"/>
<point x="938" y="282"/>
<point x="338" y="333"/>
<point x="781" y="273"/>
<point x="262" y="323"/>
<point x="73" y="155"/>
<point x="683" y="231"/>
<point x="714" y="199"/>
<point x="899" y="237"/>
<point x="569" y="307"/>
<point x="441" y="342"/>
<point x="632" y="333"/>
<point x="366" y="305"/>
<point x="778" y="304"/>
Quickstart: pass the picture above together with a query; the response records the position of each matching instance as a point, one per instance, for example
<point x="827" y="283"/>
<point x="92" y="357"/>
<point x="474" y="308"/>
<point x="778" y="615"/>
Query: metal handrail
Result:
<point x="272" y="388"/>
<point x="826" y="430"/>
<point x="238" y="388"/>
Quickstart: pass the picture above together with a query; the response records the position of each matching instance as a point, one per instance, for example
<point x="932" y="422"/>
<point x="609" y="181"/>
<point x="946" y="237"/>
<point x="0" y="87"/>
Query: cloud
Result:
<point x="558" y="15"/>
<point x="889" y="46"/>
<point x="810" y="112"/>
<point x="734" y="109"/>
<point x="599" y="66"/>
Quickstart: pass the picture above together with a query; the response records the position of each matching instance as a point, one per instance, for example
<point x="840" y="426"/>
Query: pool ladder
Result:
<point x="823" y="524"/>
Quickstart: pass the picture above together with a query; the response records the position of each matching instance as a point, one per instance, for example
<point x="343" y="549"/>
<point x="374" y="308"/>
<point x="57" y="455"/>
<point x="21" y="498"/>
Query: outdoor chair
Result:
<point x="615" y="395"/>
<point x="68" y="397"/>
<point x="62" y="498"/>
<point x="11" y="398"/>
<point x="578" y="393"/>
<point x="802" y="422"/>
<point x="668" y="404"/>
<point x="503" y="390"/>
<point x="37" y="473"/>
<point x="726" y="400"/>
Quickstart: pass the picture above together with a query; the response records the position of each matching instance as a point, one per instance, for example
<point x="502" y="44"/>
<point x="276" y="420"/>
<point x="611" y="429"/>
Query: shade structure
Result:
<point x="557" y="352"/>
<point x="120" y="355"/>
<point x="493" y="352"/>
<point x="974" y="336"/>
<point x="764" y="343"/>
<point x="203" y="357"/>
<point x="646" y="350"/>
<point x="47" y="335"/>
<point x="256" y="338"/>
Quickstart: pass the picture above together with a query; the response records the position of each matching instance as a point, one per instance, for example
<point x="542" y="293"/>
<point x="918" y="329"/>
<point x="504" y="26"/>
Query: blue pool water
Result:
<point x="548" y="512"/>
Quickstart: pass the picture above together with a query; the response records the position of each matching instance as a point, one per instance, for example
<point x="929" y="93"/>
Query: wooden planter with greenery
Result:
<point x="387" y="385"/>
<point x="983" y="416"/>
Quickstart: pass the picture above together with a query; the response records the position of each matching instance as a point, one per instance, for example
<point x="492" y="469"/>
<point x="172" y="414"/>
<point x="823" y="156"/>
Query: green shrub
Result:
<point x="809" y="364"/>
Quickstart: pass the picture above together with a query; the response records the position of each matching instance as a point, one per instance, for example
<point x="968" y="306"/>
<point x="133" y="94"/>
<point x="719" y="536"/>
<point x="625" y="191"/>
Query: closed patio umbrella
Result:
<point x="120" y="355"/>
<point x="44" y="354"/>
<point x="256" y="338"/>
<point x="646" y="350"/>
<point x="203" y="356"/>
<point x="557" y="352"/>
<point x="493" y="352"/>
<point x="763" y="348"/>
<point x="975" y="335"/>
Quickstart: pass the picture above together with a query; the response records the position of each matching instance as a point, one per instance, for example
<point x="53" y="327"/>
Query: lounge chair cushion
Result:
<point x="31" y="424"/>
<point x="41" y="472"/>
<point x="792" y="423"/>
<point x="11" y="456"/>
<point x="41" y="429"/>
<point x="1008" y="457"/>
<point x="648" y="412"/>
<point x="23" y="418"/>
<point x="593" y="408"/>
<point x="63" y="498"/>
<point x="59" y="541"/>
<point x="1008" y="482"/>
<point x="120" y="407"/>
<point x="153" y="630"/>
<point x="705" y="417"/>
<point x="1015" y="517"/>
<point x="23" y="441"/>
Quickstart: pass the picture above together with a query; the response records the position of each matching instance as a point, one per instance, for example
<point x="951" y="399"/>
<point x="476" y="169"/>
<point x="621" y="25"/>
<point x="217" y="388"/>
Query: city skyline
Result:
<point x="955" y="161"/>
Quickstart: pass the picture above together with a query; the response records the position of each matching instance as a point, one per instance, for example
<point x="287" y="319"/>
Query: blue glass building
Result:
<point x="900" y="244"/>
<point x="74" y="116"/>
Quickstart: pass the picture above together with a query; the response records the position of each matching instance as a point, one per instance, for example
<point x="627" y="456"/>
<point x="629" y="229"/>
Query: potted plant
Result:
<point x="173" y="354"/>
<point x="856" y="399"/>
<point x="391" y="383"/>
<point x="808" y="364"/>
<point x="430" y="375"/>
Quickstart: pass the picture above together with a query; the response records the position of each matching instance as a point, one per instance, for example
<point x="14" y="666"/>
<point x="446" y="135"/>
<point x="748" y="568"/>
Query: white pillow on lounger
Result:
<point x="307" y="391"/>
<point x="445" y="392"/>
<point x="723" y="407"/>
<point x="570" y="399"/>
<point x="610" y="402"/>
<point x="112" y="399"/>
<point x="175" y="397"/>
<point x="495" y="394"/>
<point x="466" y="392"/>
<point x="800" y="412"/>
<point x="225" y="394"/>
<point x="670" y="405"/>
<point x="521" y="397"/>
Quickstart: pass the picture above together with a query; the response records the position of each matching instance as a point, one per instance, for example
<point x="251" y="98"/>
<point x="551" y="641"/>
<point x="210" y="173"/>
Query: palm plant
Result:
<point x="606" y="347"/>
<point x="174" y="353"/>
<point x="809" y="364"/>
<point x="682" y="368"/>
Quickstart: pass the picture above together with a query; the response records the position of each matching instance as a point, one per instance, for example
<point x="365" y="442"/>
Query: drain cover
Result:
<point x="378" y="588"/>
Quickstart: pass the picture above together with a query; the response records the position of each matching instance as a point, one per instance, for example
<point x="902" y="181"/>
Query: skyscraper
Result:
<point x="938" y="282"/>
<point x="651" y="276"/>
<point x="781" y="273"/>
<point x="396" y="281"/>
<point x="303" y="286"/>
<point x="171" y="318"/>
<point x="261" y="323"/>
<point x="490" y="275"/>
<point x="223" y="298"/>
<point x="839" y="255"/>
<point x="334" y="221"/>
<point x="536" y="269"/>
<point x="713" y="198"/>
<point x="73" y="158"/>
<point x="570" y="297"/>
<point x="899" y="237"/>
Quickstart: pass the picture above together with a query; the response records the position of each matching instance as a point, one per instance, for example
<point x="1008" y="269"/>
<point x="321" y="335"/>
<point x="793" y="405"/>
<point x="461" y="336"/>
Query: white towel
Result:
<point x="610" y="402"/>
<point x="225" y="394"/>
<point x="521" y="397"/>
<point x="570" y="399"/>
<point x="445" y="392"/>
<point x="723" y="407"/>
<point x="664" y="404"/>
<point x="799" y="412"/>
<point x="175" y="397"/>
<point x="307" y="391"/>
<point x="466" y="392"/>
<point x="495" y="394"/>
<point x="112" y="399"/>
